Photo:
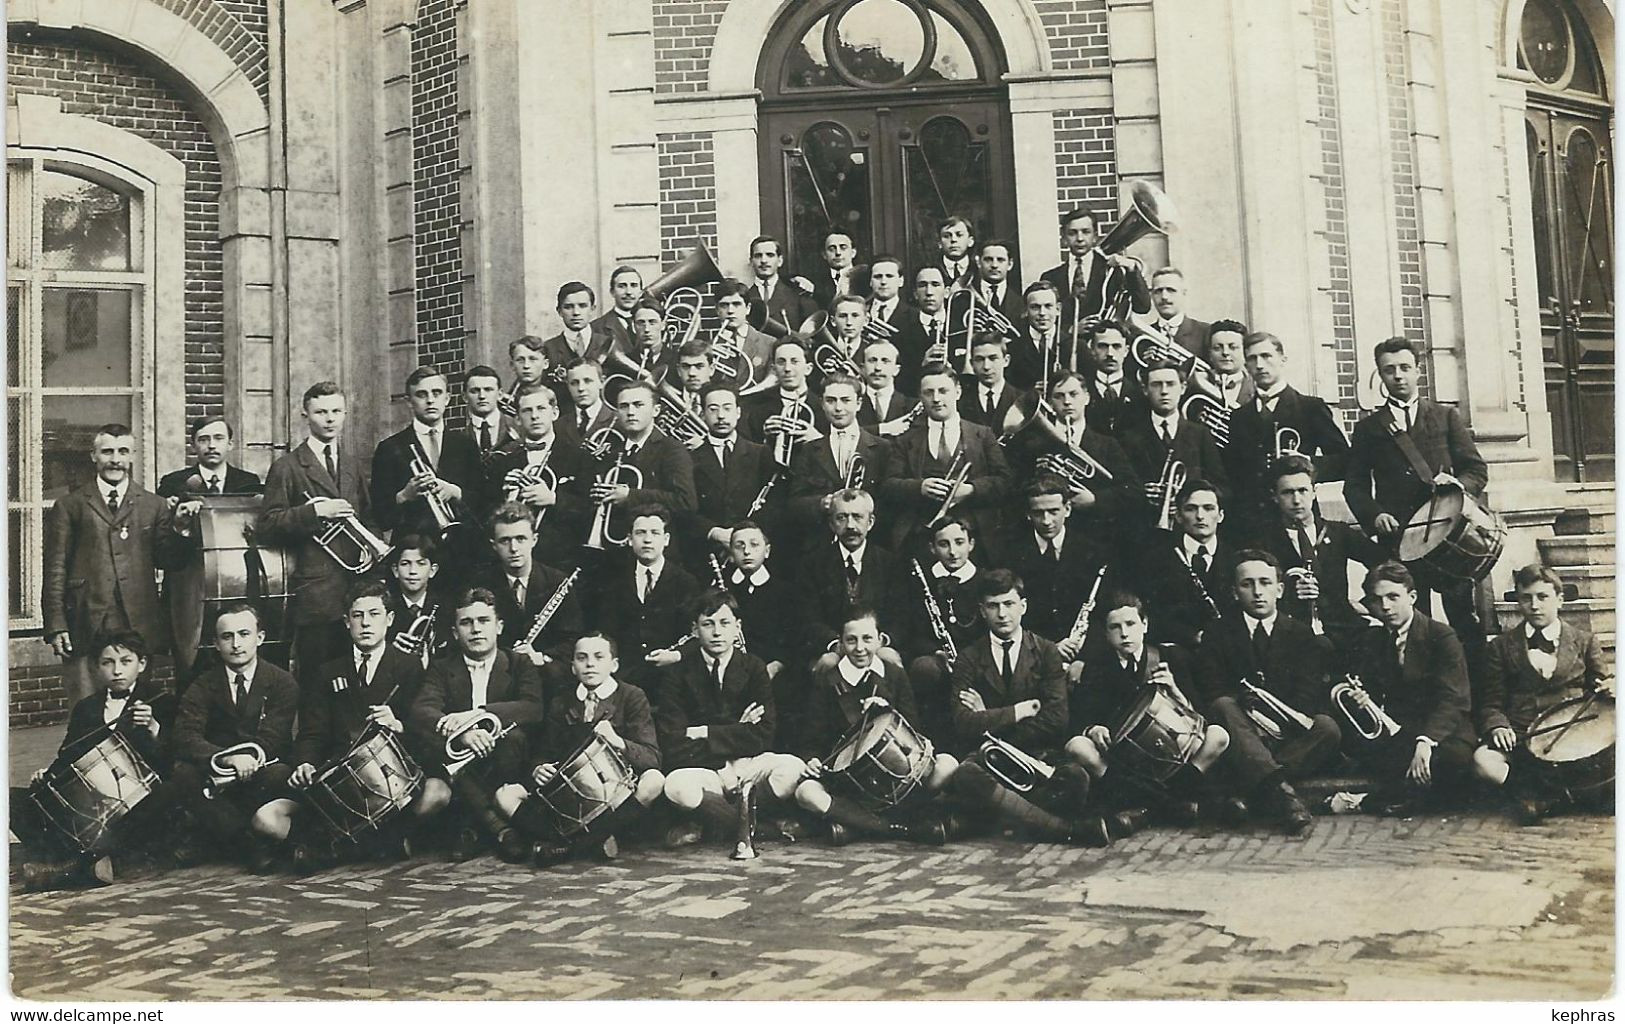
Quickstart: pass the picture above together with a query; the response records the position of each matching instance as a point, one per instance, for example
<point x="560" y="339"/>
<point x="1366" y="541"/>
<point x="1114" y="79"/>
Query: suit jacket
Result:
<point x="668" y="479"/>
<point x="1294" y="667"/>
<point x="288" y="520"/>
<point x="1252" y="444"/>
<point x="1056" y="590"/>
<point x="1428" y="695"/>
<point x="813" y="474"/>
<point x="1336" y="544"/>
<point x="767" y="612"/>
<point x="1380" y="478"/>
<point x="1011" y="303"/>
<point x="824" y="288"/>
<point x="513" y="694"/>
<point x="690" y="698"/>
<point x="1191" y="335"/>
<point x="836" y="707"/>
<point x="1193" y="445"/>
<point x="913" y="341"/>
<point x="970" y="405"/>
<point x="910" y="463"/>
<point x="965" y="277"/>
<point x="756" y="408"/>
<point x="882" y="584"/>
<point x="788" y="305"/>
<point x="505" y="430"/>
<point x="439" y="600"/>
<point x="641" y="627"/>
<point x="569" y="429"/>
<point x="758" y="348"/>
<point x="910" y="625"/>
<point x="1512" y="694"/>
<point x="609" y="323"/>
<point x="100" y="567"/>
<point x="1060" y="277"/>
<point x="209" y="721"/>
<point x="1039" y="674"/>
<point x="1112" y="416"/>
<point x="392" y="468"/>
<point x="1177" y="610"/>
<point x="627" y="710"/>
<point x="559" y="636"/>
<point x="565" y="525"/>
<point x="331" y="720"/>
<point x="723" y="493"/>
<point x="1026" y="367"/>
<point x="85" y="724"/>
<point x="599" y="343"/>
<point x="237" y="481"/>
<point x="899" y="405"/>
<point x="1106" y="692"/>
<point x="1120" y="507"/>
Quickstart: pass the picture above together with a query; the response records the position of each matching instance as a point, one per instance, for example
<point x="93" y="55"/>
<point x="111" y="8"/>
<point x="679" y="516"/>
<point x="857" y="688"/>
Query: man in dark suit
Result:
<point x="1415" y="670"/>
<point x="138" y="709"/>
<point x="369" y="687"/>
<point x="1059" y="564"/>
<point x="786" y="301"/>
<point x="666" y="468"/>
<point x="426" y="477"/>
<point x="1279" y="656"/>
<point x="847" y="455"/>
<point x="1168" y="297"/>
<point x="990" y="400"/>
<point x="420" y="622"/>
<point x="774" y="416"/>
<point x="956" y="238"/>
<point x="1532" y="667"/>
<point x="625" y="289"/>
<point x="716" y="720"/>
<point x="1041" y="341"/>
<point x="1401" y="455"/>
<point x="886" y="303"/>
<point x="995" y="279"/>
<point x="917" y="336"/>
<point x="487" y="425"/>
<point x="475" y="680"/>
<point x="581" y="338"/>
<point x="835" y="277"/>
<point x="523" y="585"/>
<point x="729" y="473"/>
<point x="1225" y="353"/>
<point x="919" y="477"/>
<point x="882" y="402"/>
<point x="307" y="489"/>
<point x="1254" y="432"/>
<point x="211" y="474"/>
<point x="1186" y="572"/>
<point x="586" y="412"/>
<point x="1086" y="269"/>
<point x="1012" y="685"/>
<point x="733" y="310"/>
<point x="515" y="473"/>
<point x="952" y="582"/>
<point x="849" y="571"/>
<point x="104" y="543"/>
<point x="1165" y="437"/>
<point x="641" y="602"/>
<point x="244" y="699"/>
<point x="1115" y="398"/>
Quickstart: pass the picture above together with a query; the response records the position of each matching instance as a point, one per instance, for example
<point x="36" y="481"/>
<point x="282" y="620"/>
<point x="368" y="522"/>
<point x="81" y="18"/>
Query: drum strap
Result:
<point x="254" y="568"/>
<point x="1413" y="455"/>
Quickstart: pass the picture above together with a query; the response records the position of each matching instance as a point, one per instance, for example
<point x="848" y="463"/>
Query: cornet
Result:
<point x="854" y="472"/>
<point x="222" y="775"/>
<point x="617" y="473"/>
<point x="418" y="639"/>
<point x="349" y="543"/>
<point x="1210" y="412"/>
<point x="784" y="442"/>
<point x="445" y="517"/>
<point x="1296" y="574"/>
<point x="958" y="473"/>
<point x="1287" y="442"/>
<point x="676" y="420"/>
<point x="460" y="757"/>
<point x="1272" y="716"/>
<point x="1362" y="711"/>
<point x="1168" y="485"/>
<point x="1011" y="765"/>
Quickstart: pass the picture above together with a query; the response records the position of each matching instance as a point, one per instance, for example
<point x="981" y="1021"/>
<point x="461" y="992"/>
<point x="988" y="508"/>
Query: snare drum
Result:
<point x="1159" y="736"/>
<point x="367" y="786"/>
<point x="86" y="797"/>
<point x="1452" y="539"/>
<point x="591" y="782"/>
<point x="1574" y="739"/>
<point x="882" y="761"/>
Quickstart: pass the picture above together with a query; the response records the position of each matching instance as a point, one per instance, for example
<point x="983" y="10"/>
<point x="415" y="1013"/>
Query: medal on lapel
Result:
<point x="340" y="684"/>
<point x="124" y="532"/>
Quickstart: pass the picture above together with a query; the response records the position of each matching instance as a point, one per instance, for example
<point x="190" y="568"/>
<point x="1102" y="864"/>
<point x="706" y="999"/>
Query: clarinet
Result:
<point x="722" y="584"/>
<point x="761" y="495"/>
<point x="1079" y="633"/>
<point x="551" y="607"/>
<point x="933" y="612"/>
<point x="1201" y="588"/>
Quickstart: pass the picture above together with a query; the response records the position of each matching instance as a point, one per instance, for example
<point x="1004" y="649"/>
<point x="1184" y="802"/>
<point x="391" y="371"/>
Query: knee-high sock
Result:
<point x="975" y="787"/>
<point x="479" y="809"/>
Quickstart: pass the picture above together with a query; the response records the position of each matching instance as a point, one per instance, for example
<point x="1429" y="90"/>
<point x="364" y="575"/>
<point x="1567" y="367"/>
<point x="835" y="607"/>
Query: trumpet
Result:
<point x="1210" y="412"/>
<point x="831" y="360"/>
<point x="457" y="757"/>
<point x="1296" y="574"/>
<point x="1272" y="716"/>
<point x="1287" y="442"/>
<point x="618" y="473"/>
<point x="445" y="517"/>
<point x="784" y="442"/>
<point x="933" y="613"/>
<point x="518" y="478"/>
<point x="1168" y="485"/>
<point x="1362" y="710"/>
<point x="958" y="473"/>
<point x="418" y="639"/>
<point x="676" y="420"/>
<point x="222" y="776"/>
<point x="349" y="543"/>
<point x="1011" y="765"/>
<point x="548" y="610"/>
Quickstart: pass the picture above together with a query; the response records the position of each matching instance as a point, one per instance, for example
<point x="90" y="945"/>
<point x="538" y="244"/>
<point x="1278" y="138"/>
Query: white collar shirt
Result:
<point x="961" y="575"/>
<point x="1541" y="661"/>
<point x="854" y="676"/>
<point x="996" y="645"/>
<point x="1190" y="545"/>
<point x="479" y="678"/>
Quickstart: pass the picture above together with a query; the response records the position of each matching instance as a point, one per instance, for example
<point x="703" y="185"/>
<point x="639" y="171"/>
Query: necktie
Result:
<point x="1054" y="551"/>
<point x="1079" y="280"/>
<point x="485" y="437"/>
<point x="716" y="675"/>
<point x="434" y="449"/>
<point x="851" y="579"/>
<point x="1133" y="667"/>
<point x="112" y="501"/>
<point x="214" y="485"/>
<point x="1261" y="645"/>
<point x="332" y="463"/>
<point x="1167" y="434"/>
<point x="589" y="707"/>
<point x="239" y="690"/>
<point x="361" y="672"/>
<point x="1008" y="668"/>
<point x="987" y="402"/>
<point x="843" y="452"/>
<point x="1540" y="642"/>
<point x="767" y="291"/>
<point x="1199" y="562"/>
<point x="581" y="422"/>
<point x="1402" y="414"/>
<point x="1306" y="547"/>
<point x="648" y="584"/>
<point x="1399" y="648"/>
<point x="519" y="592"/>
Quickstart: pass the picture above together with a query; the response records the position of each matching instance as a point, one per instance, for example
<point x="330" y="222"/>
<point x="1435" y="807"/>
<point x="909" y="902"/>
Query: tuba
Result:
<point x="1069" y="462"/>
<point x="349" y="543"/>
<point x="1011" y="765"/>
<point x="1362" y="710"/>
<point x="1150" y="211"/>
<point x="681" y="289"/>
<point x="221" y="776"/>
<point x="458" y="758"/>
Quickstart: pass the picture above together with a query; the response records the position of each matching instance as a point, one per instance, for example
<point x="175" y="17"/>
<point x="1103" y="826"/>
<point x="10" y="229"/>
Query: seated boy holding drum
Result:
<point x="361" y="694"/>
<point x="861" y="687"/>
<point x="1113" y="689"/>
<point x="122" y="722"/>
<point x="1533" y="670"/>
<point x="599" y="756"/>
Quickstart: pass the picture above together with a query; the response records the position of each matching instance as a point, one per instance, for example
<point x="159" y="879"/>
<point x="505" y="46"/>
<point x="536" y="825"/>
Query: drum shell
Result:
<point x="87" y="797"/>
<point x="1579" y="758"/>
<point x="228" y="566"/>
<point x="1158" y="736"/>
<point x="1464" y="552"/>
<point x="594" y="768"/>
<point x="366" y="787"/>
<point x="881" y="761"/>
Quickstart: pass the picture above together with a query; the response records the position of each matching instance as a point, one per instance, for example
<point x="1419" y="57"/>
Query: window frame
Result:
<point x="971" y="24"/>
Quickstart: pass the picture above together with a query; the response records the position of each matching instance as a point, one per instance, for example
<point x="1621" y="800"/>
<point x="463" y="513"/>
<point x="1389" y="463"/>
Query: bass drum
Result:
<point x="229" y="567"/>
<point x="1452" y="539"/>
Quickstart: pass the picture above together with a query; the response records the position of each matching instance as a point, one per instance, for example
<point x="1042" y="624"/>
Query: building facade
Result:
<point x="214" y="203"/>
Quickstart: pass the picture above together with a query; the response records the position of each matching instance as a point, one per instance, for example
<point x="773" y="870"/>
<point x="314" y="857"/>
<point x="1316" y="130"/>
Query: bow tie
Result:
<point x="1541" y="642"/>
<point x="538" y="446"/>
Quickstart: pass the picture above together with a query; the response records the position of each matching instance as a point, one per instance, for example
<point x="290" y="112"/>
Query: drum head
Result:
<point x="1135" y="714"/>
<point x="1573" y="730"/>
<point x="871" y="736"/>
<point x="1431" y="524"/>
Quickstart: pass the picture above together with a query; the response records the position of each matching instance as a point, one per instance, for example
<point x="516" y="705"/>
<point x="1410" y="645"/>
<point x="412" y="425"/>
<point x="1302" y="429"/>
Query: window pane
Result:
<point x="70" y="427"/>
<point x="880" y="41"/>
<point x="945" y="174"/>
<point x="83" y="225"/>
<point x="829" y="188"/>
<point x="16" y="592"/>
<point x="1539" y="173"/>
<point x="14" y="324"/>
<point x="1544" y="42"/>
<point x="14" y="431"/>
<point x="86" y="338"/>
<point x="807" y="65"/>
<point x="1587" y="232"/>
<point x="953" y="61"/>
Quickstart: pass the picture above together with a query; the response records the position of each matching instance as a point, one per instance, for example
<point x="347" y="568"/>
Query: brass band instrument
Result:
<point x="1168" y="485"/>
<point x="1297" y="573"/>
<point x="966" y="313"/>
<point x="1201" y="407"/>
<point x="784" y="442"/>
<point x="728" y="360"/>
<point x="1078" y="635"/>
<point x="681" y="290"/>
<point x="1287" y="442"/>
<point x="933" y="613"/>
<point x="676" y="420"/>
<point x="349" y="543"/>
<point x="875" y="329"/>
<point x="1362" y="710"/>
<point x="551" y="608"/>
<point x="508" y="401"/>
<point x="521" y="477"/>
<point x="1069" y="462"/>
<point x="900" y="424"/>
<point x="1011" y="765"/>
<point x="458" y="758"/>
<point x="855" y="472"/>
<point x="1150" y="347"/>
<point x="623" y="370"/>
<point x="829" y="359"/>
<point x="1270" y="715"/>
<point x="1150" y="210"/>
<point x="445" y="517"/>
<point x="418" y="639"/>
<point x="958" y="473"/>
<point x="223" y="776"/>
<point x="618" y="473"/>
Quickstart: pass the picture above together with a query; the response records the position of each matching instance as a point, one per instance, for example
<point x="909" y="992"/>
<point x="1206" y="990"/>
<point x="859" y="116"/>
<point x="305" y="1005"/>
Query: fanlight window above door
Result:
<point x="881" y="44"/>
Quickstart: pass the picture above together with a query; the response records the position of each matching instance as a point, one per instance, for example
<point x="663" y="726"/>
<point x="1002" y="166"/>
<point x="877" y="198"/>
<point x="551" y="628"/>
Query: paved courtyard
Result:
<point x="1458" y="907"/>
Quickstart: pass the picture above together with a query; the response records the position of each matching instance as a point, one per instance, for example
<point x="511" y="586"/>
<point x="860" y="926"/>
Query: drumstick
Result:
<point x="1426" y="522"/>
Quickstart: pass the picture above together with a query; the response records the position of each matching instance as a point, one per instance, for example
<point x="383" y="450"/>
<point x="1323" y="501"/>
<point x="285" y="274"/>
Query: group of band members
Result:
<point x="721" y="575"/>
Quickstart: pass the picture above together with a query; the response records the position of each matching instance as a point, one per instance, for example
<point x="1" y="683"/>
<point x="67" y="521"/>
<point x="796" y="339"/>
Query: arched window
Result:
<point x="1556" y="50"/>
<point x="880" y="44"/>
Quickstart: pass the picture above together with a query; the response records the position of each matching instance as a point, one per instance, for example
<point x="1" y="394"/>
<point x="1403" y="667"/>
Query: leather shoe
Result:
<point x="1231" y="811"/>
<point x="101" y="870"/>
<point x="931" y="833"/>
<point x="466" y="846"/>
<point x="610" y="848"/>
<point x="40" y="877"/>
<point x="511" y="846"/>
<point x="1529" y="811"/>
<point x="1091" y="832"/>
<point x="305" y="860"/>
<point x="839" y="834"/>
<point x="545" y="855"/>
<point x="683" y="834"/>
<point x="1127" y="822"/>
<point x="1295" y="817"/>
<point x="1182" y="813"/>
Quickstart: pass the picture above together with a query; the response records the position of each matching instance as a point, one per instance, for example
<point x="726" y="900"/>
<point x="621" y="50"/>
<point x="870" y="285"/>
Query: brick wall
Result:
<point x="688" y="194"/>
<point x="1407" y="227"/>
<point x="1086" y="162"/>
<point x="436" y="163"/>
<point x="236" y="26"/>
<point x="1076" y="30"/>
<point x="38" y="698"/>
<point x="117" y="89"/>
<point x="1340" y="288"/>
<point x="683" y="33"/>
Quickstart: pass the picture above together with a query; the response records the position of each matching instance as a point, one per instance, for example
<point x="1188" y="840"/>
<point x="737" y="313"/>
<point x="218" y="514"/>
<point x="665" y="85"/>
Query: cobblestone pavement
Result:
<point x="1452" y="907"/>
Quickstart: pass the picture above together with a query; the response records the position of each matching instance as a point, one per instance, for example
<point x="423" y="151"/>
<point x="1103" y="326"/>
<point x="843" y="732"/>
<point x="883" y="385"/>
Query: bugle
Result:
<point x="460" y="757"/>
<point x="445" y="517"/>
<point x="1287" y="442"/>
<point x="618" y="472"/>
<point x="958" y="473"/>
<point x="418" y="639"/>
<point x="222" y="776"/>
<point x="349" y="543"/>
<point x="1011" y="765"/>
<point x="1362" y="711"/>
<point x="1272" y="716"/>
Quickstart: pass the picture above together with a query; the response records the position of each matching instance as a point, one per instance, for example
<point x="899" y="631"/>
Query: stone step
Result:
<point x="1577" y="549"/>
<point x="1585" y="520"/>
<point x="1594" y="616"/>
<point x="1589" y="581"/>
